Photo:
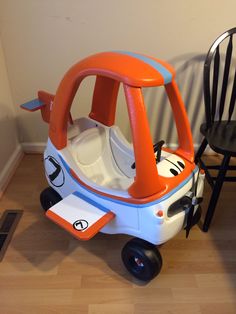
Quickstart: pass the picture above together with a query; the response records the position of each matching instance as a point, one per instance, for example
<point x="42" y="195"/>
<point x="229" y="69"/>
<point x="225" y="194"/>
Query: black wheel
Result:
<point x="142" y="259"/>
<point x="49" y="197"/>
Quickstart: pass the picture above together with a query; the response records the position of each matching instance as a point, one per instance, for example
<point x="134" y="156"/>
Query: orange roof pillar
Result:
<point x="104" y="100"/>
<point x="146" y="182"/>
<point x="185" y="138"/>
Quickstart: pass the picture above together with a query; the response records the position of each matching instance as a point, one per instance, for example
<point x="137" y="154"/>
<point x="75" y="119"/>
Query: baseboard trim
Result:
<point x="10" y="168"/>
<point x="33" y="148"/>
<point x="39" y="147"/>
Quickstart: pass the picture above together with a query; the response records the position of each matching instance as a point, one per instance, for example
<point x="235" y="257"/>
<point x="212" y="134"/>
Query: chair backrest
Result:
<point x="218" y="65"/>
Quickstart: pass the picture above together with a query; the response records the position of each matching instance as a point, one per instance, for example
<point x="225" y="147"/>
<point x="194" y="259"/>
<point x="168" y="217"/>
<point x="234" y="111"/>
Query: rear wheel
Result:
<point x="142" y="259"/>
<point x="49" y="197"/>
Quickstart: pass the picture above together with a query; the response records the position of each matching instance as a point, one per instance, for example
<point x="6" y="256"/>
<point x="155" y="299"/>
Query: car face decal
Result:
<point x="171" y="166"/>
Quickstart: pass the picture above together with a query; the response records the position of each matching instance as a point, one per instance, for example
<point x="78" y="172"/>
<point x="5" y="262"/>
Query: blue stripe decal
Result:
<point x="91" y="202"/>
<point x="156" y="65"/>
<point x="33" y="104"/>
<point x="163" y="198"/>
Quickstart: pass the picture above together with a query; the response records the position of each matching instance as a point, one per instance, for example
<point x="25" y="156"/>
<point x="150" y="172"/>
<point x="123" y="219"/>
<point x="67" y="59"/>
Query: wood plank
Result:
<point x="111" y="308"/>
<point x="204" y="295"/>
<point x="213" y="308"/>
<point x="167" y="308"/>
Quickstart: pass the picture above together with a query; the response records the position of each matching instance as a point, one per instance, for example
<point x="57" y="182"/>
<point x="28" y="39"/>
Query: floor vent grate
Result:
<point x="8" y="224"/>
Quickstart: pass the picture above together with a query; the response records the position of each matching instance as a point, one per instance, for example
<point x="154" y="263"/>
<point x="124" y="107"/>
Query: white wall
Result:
<point x="43" y="38"/>
<point x="9" y="146"/>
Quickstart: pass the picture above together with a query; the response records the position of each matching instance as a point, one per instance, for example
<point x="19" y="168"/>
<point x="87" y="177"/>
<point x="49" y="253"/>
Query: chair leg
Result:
<point x="201" y="150"/>
<point x="215" y="193"/>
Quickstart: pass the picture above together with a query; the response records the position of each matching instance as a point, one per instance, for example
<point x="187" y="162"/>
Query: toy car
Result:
<point x="98" y="181"/>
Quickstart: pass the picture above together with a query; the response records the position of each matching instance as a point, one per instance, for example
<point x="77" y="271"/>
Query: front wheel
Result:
<point x="142" y="259"/>
<point x="49" y="197"/>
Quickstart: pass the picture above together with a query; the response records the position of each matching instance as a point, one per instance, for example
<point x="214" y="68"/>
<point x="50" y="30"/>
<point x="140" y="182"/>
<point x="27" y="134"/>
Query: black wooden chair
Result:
<point x="219" y="130"/>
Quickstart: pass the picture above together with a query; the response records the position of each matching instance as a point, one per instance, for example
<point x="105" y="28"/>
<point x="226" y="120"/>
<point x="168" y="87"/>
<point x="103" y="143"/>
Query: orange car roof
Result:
<point x="130" y="68"/>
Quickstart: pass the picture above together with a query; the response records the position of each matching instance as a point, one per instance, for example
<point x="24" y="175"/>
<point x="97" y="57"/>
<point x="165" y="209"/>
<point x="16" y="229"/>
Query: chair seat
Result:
<point x="221" y="137"/>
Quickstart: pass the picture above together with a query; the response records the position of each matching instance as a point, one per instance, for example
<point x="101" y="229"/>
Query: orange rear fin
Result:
<point x="47" y="99"/>
<point x="44" y="102"/>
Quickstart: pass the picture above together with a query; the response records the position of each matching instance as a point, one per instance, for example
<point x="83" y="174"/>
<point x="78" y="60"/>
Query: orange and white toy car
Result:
<point x="99" y="181"/>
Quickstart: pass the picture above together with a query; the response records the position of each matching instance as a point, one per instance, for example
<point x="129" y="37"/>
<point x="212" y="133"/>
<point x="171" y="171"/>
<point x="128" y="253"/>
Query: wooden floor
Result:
<point x="45" y="270"/>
